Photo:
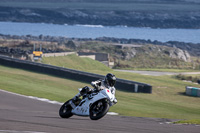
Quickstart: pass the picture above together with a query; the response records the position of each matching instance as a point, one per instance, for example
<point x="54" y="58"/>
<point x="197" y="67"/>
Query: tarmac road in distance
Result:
<point x="19" y="114"/>
<point x="156" y="73"/>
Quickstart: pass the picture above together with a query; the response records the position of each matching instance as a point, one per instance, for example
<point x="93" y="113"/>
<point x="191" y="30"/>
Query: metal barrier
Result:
<point x="121" y="84"/>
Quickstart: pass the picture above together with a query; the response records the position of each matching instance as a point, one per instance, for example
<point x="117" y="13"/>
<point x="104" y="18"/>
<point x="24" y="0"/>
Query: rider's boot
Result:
<point x="83" y="91"/>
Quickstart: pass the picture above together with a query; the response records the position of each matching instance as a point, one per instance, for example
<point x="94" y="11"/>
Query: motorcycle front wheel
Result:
<point x="65" y="110"/>
<point x="99" y="109"/>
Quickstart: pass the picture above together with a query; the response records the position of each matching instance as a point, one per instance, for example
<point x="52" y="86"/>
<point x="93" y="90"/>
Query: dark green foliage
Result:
<point x="70" y="44"/>
<point x="188" y="78"/>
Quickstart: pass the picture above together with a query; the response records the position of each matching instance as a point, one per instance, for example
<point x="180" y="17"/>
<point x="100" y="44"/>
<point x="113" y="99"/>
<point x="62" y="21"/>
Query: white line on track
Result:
<point x="46" y="100"/>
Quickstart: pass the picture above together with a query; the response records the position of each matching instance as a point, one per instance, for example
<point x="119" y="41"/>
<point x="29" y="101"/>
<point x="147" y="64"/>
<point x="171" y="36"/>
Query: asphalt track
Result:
<point x="155" y="73"/>
<point x="20" y="114"/>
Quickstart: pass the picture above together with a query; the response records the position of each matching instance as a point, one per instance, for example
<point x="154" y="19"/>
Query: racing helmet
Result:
<point x="110" y="79"/>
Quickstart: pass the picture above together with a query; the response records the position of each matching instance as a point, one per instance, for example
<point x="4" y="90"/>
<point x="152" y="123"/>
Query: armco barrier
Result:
<point x="124" y="85"/>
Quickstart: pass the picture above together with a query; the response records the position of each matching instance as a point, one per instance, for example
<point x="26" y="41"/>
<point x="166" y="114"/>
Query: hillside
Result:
<point x="135" y="13"/>
<point x="143" y="55"/>
<point x="75" y="62"/>
<point x="129" y="54"/>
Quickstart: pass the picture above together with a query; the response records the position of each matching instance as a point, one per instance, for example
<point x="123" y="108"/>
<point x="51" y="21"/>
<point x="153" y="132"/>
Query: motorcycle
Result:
<point x="94" y="105"/>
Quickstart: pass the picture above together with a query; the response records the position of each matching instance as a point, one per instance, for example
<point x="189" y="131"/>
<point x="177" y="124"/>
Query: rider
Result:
<point x="108" y="82"/>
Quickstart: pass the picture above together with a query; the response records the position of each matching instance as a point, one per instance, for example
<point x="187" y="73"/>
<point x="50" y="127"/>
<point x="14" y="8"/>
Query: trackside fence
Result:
<point x="121" y="84"/>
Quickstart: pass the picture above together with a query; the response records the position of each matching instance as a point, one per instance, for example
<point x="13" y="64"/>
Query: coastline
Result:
<point x="192" y="48"/>
<point x="153" y="19"/>
<point x="99" y="31"/>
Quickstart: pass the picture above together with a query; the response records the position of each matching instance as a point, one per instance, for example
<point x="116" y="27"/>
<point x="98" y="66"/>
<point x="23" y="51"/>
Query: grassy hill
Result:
<point x="166" y="101"/>
<point x="145" y="56"/>
<point x="75" y="62"/>
<point x="142" y="56"/>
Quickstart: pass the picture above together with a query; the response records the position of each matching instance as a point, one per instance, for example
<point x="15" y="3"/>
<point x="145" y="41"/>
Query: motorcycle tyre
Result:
<point x="66" y="114"/>
<point x="103" y="113"/>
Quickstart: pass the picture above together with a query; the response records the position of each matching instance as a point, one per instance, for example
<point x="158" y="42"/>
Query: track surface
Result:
<point x="19" y="114"/>
<point x="155" y="73"/>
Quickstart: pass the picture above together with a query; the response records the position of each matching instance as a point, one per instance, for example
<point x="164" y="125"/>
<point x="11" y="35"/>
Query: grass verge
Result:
<point x="39" y="85"/>
<point x="194" y="121"/>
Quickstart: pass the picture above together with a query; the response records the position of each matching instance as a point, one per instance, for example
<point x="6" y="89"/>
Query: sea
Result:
<point x="95" y="31"/>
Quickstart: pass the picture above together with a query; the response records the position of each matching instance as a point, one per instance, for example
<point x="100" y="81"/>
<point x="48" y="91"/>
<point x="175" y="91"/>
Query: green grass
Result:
<point x="166" y="101"/>
<point x="75" y="62"/>
<point x="35" y="84"/>
<point x="194" y="121"/>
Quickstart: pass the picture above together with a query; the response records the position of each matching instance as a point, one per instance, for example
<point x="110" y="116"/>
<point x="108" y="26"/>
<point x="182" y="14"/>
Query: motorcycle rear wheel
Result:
<point x="65" y="110"/>
<point x="99" y="109"/>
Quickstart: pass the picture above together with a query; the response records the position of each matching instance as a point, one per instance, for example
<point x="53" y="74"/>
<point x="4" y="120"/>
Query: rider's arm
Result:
<point x="96" y="84"/>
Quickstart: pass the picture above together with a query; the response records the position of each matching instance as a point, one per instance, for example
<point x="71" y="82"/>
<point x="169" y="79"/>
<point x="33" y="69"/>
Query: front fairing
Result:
<point x="83" y="108"/>
<point x="108" y="94"/>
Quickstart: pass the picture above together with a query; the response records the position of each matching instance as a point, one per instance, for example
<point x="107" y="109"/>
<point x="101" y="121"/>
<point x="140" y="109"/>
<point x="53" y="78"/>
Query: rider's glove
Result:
<point x="98" y="88"/>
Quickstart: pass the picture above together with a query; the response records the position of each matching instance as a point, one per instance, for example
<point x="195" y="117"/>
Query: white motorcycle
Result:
<point x="94" y="105"/>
